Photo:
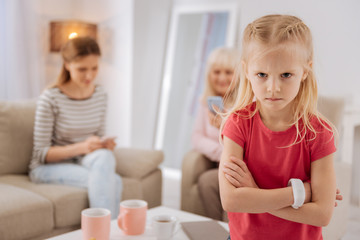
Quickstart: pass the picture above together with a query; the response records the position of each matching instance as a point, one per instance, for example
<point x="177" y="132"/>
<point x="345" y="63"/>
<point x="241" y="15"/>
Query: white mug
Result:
<point x="164" y="226"/>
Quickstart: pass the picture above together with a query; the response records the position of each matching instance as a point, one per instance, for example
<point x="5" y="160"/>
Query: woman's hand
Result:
<point x="237" y="173"/>
<point x="215" y="119"/>
<point x="91" y="144"/>
<point x="109" y="143"/>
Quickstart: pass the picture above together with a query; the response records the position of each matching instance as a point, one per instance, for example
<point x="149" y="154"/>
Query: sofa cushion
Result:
<point x="67" y="201"/>
<point x="16" y="135"/>
<point x="132" y="189"/>
<point x="146" y="161"/>
<point x="20" y="209"/>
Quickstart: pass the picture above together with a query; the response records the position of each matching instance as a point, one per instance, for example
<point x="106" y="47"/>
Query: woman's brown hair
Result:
<point x="73" y="50"/>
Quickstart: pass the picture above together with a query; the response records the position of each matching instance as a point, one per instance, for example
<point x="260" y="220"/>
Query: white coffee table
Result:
<point x="117" y="234"/>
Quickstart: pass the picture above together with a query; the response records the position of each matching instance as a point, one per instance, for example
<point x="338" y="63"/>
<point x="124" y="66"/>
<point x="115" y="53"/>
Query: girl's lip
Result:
<point x="273" y="99"/>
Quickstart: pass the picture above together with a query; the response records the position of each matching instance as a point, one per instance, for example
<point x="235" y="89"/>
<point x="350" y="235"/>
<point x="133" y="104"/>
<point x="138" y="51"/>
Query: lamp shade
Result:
<point x="62" y="31"/>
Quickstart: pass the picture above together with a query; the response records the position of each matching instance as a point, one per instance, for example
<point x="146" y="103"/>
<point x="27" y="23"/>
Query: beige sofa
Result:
<point x="37" y="211"/>
<point x="194" y="164"/>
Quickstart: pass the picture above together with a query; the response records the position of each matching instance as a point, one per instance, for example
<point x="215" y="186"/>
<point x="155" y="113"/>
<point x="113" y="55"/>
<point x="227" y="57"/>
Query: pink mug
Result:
<point x="132" y="217"/>
<point x="95" y="223"/>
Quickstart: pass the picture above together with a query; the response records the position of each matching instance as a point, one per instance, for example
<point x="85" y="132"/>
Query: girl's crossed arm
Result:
<point x="318" y="212"/>
<point x="249" y="198"/>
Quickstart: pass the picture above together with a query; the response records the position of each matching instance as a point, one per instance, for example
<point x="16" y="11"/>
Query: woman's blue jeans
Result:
<point x="96" y="172"/>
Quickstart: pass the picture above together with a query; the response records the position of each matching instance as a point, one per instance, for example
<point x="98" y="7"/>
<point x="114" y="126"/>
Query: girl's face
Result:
<point x="83" y="70"/>
<point x="220" y="78"/>
<point x="276" y="77"/>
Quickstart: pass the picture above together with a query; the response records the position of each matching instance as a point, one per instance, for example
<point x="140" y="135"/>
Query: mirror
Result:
<point x="194" y="32"/>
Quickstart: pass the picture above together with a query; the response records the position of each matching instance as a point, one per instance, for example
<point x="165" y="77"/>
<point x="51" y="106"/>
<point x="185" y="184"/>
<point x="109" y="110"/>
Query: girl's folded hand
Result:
<point x="237" y="173"/>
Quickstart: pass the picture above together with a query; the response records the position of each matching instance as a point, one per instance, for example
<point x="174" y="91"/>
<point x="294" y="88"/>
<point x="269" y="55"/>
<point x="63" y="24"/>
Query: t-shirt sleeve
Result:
<point x="102" y="129"/>
<point x="323" y="144"/>
<point x="43" y="127"/>
<point x="234" y="129"/>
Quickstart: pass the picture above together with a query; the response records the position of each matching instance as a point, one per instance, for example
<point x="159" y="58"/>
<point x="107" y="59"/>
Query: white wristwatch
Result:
<point x="298" y="192"/>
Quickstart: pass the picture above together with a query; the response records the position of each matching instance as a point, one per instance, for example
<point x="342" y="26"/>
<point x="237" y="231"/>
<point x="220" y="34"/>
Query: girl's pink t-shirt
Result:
<point x="272" y="164"/>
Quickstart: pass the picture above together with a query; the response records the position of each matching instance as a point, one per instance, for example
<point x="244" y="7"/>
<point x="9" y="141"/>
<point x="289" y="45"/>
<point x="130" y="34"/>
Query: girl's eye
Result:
<point x="262" y="75"/>
<point x="286" y="75"/>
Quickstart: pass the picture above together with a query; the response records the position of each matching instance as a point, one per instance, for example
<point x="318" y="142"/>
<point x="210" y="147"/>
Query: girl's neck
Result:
<point x="276" y="120"/>
<point x="74" y="91"/>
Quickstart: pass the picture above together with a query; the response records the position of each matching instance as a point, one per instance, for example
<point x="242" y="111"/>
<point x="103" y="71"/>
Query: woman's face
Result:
<point x="220" y="78"/>
<point x="83" y="70"/>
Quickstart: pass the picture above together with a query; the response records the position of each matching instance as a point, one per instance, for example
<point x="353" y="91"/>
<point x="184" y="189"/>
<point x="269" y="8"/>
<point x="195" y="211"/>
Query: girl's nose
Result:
<point x="273" y="85"/>
<point x="89" y="75"/>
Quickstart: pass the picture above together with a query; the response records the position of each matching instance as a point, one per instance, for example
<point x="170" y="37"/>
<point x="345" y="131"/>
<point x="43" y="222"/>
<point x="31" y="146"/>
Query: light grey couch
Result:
<point x="194" y="164"/>
<point x="37" y="211"/>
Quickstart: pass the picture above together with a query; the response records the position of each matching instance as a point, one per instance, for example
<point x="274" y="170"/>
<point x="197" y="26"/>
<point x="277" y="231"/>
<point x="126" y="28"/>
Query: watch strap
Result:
<point x="298" y="192"/>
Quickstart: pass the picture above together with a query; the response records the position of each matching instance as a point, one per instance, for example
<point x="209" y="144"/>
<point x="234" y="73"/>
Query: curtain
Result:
<point x="20" y="55"/>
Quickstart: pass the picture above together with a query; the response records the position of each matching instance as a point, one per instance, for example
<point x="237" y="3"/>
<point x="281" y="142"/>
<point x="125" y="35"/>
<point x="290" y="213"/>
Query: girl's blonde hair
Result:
<point x="223" y="57"/>
<point x="273" y="32"/>
<point x="73" y="50"/>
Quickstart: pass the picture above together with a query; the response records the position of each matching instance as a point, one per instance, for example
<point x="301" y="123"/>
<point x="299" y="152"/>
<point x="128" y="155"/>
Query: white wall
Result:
<point x="21" y="64"/>
<point x="115" y="36"/>
<point x="151" y="19"/>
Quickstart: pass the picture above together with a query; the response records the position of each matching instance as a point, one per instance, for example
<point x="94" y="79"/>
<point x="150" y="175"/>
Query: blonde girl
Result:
<point x="278" y="137"/>
<point x="205" y="137"/>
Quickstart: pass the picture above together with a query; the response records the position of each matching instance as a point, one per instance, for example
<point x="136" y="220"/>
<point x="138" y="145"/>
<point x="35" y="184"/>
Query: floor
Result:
<point x="353" y="232"/>
<point x="171" y="198"/>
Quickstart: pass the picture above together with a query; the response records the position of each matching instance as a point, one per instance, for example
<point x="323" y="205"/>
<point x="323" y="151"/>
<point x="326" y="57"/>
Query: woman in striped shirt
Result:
<point x="69" y="126"/>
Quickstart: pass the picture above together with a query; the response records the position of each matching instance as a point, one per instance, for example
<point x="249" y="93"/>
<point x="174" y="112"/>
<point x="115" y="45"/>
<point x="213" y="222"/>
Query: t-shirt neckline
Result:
<point x="266" y="129"/>
<point x="78" y="99"/>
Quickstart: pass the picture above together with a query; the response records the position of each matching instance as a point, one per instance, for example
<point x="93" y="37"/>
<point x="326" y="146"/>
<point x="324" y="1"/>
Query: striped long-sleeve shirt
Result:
<point x="60" y="121"/>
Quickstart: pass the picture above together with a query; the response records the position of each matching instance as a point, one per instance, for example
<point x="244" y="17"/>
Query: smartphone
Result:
<point x="105" y="138"/>
<point x="216" y="101"/>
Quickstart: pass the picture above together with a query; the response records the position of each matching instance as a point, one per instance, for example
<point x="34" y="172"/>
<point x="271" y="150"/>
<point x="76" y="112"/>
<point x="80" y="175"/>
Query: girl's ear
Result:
<point x="306" y="71"/>
<point x="305" y="75"/>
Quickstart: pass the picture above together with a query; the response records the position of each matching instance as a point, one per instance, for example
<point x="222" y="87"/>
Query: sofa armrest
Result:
<point x="137" y="163"/>
<point x="193" y="165"/>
